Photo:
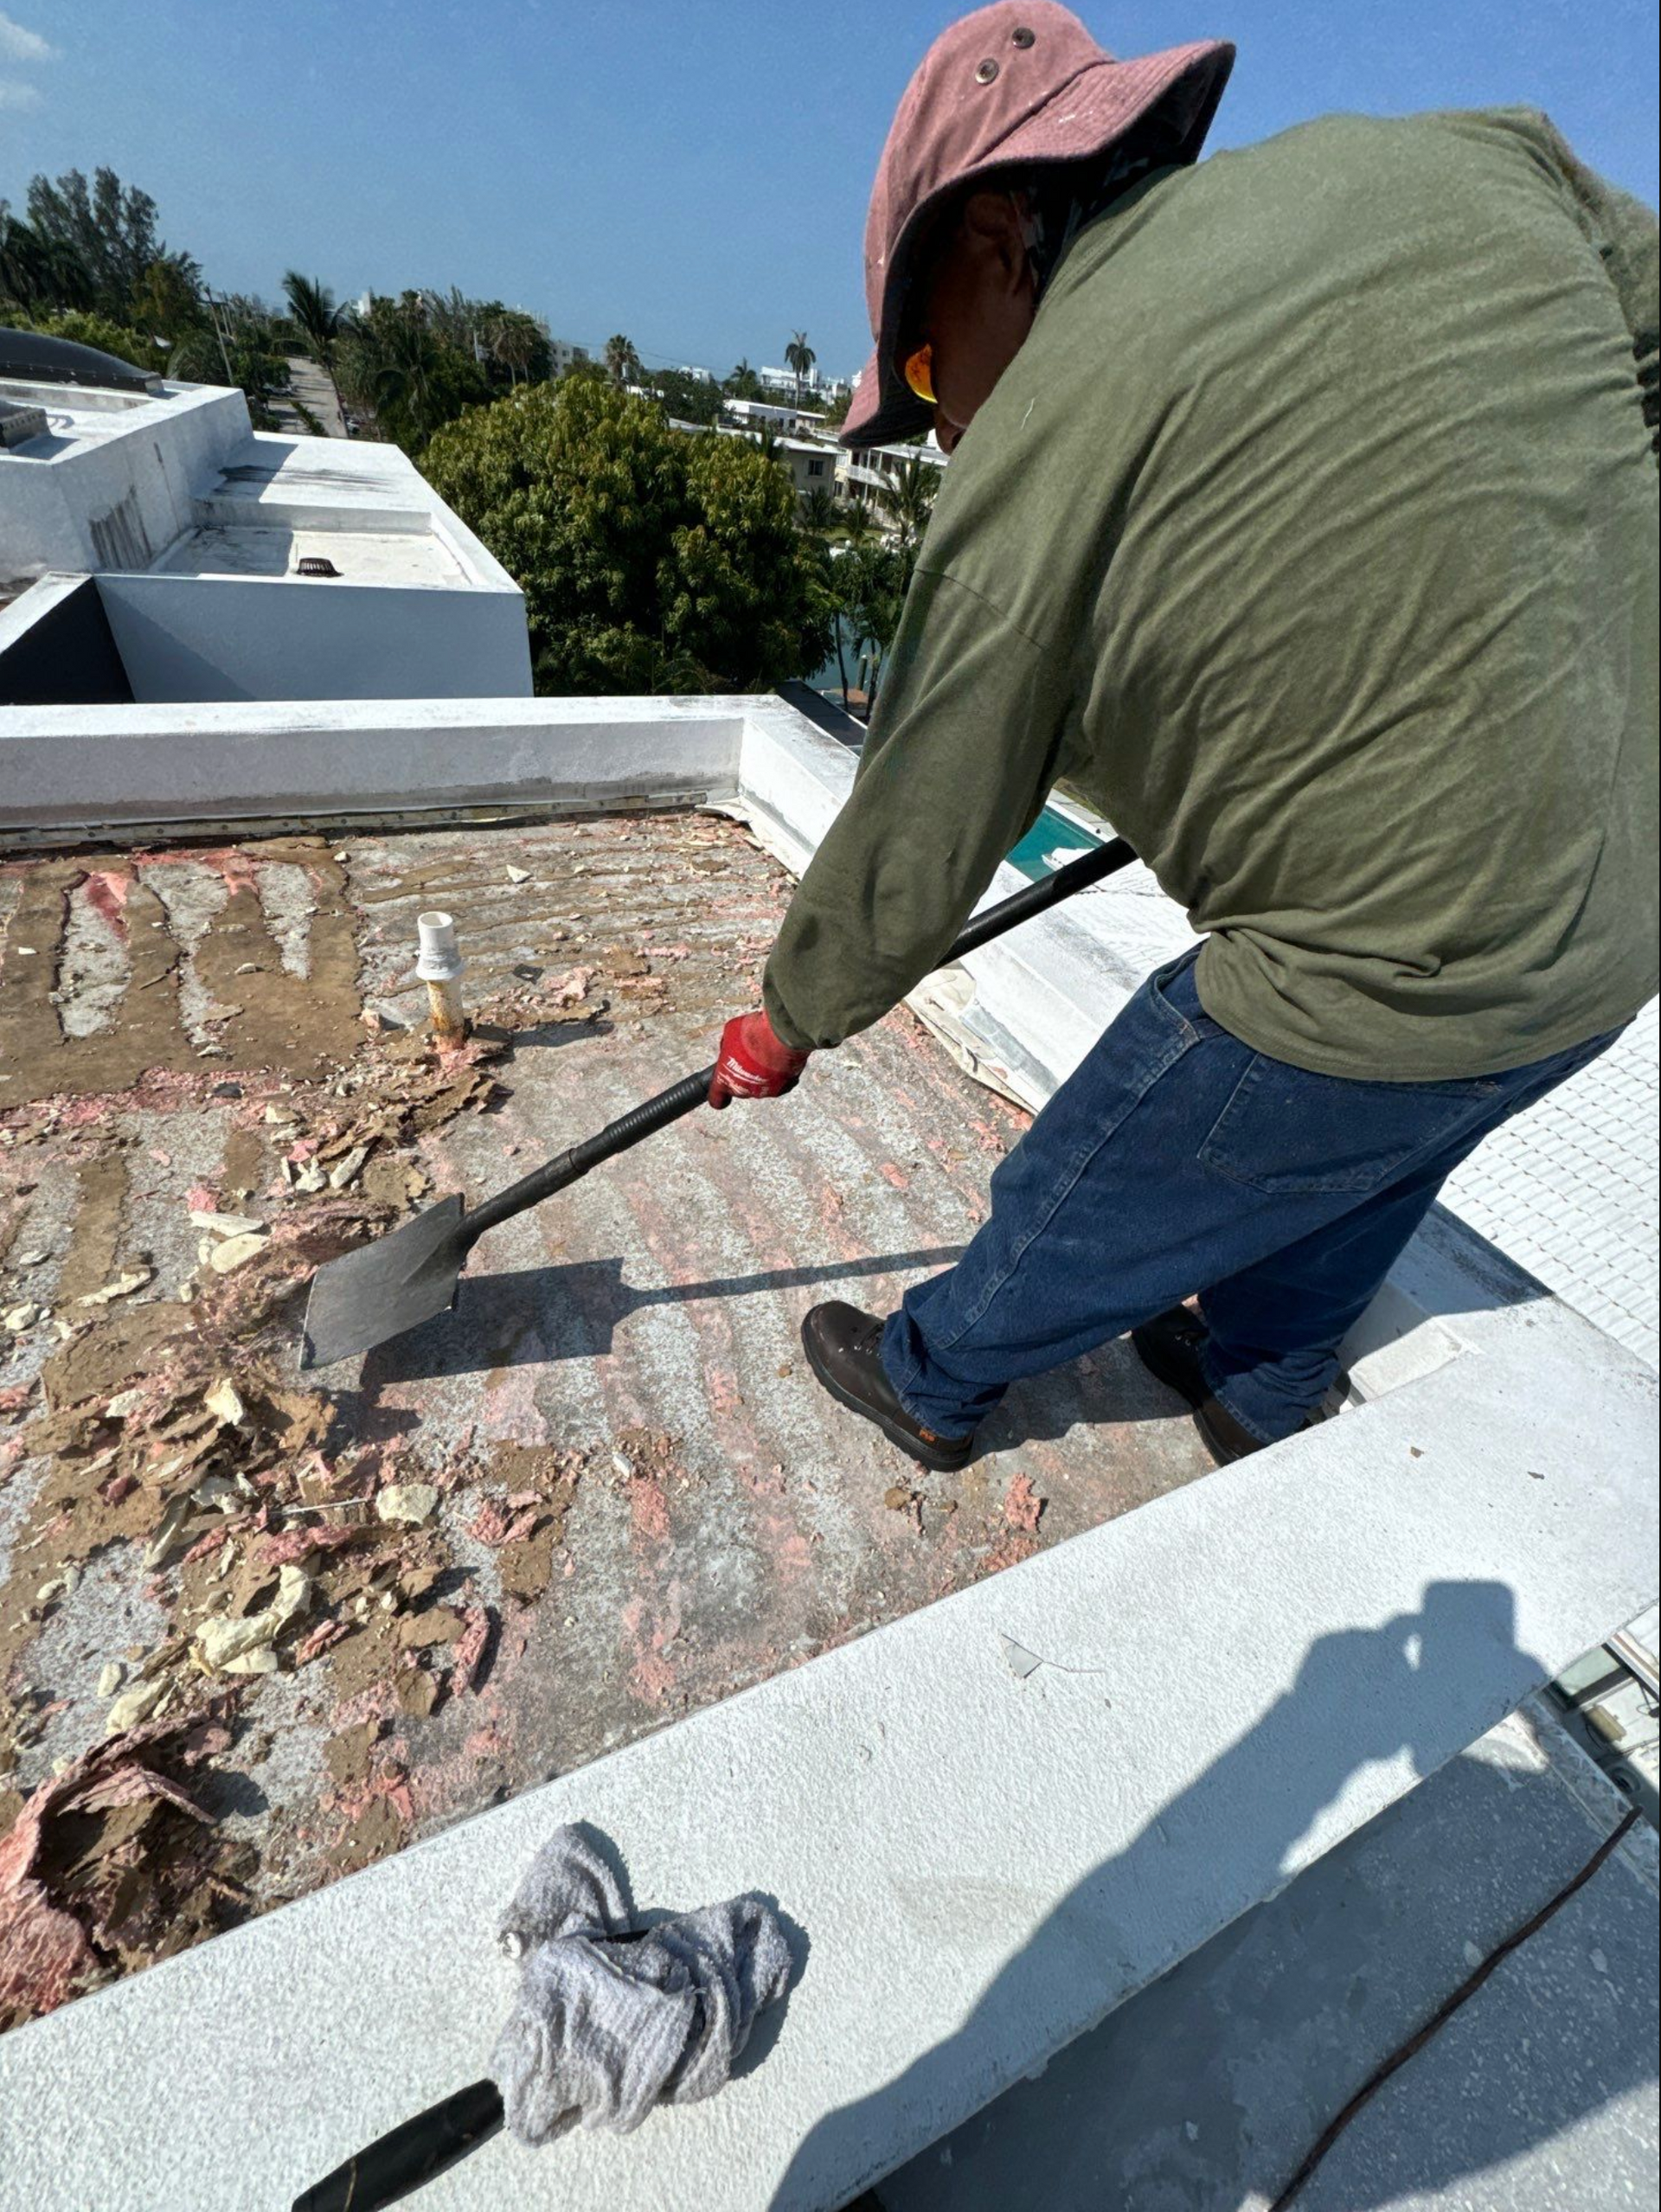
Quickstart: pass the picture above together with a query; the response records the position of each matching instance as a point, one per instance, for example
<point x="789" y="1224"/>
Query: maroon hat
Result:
<point x="1019" y="83"/>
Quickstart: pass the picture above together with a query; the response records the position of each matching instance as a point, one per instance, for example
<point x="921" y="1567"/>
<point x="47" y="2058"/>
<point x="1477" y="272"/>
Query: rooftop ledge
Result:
<point x="1231" y="1677"/>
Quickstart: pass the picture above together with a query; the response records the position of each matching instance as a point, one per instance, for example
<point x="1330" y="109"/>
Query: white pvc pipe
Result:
<point x="439" y="964"/>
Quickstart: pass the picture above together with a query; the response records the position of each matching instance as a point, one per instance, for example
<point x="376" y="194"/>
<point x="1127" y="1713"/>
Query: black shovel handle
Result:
<point x="692" y="1091"/>
<point x="409" y="2155"/>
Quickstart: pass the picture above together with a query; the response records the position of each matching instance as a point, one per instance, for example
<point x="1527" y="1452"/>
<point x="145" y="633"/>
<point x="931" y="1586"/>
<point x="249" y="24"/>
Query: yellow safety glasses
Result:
<point x="919" y="372"/>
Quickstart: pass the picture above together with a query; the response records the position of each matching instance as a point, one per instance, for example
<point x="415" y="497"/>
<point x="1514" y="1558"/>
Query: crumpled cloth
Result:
<point x="609" y="2019"/>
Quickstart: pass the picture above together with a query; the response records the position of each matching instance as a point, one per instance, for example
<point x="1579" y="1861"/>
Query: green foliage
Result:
<point x="622" y="362"/>
<point x="649" y="561"/>
<point x="799" y="357"/>
<point x="119" y="338"/>
<point x="102" y="237"/>
<point x="689" y="399"/>
<point x="394" y="362"/>
<point x="872" y="578"/>
<point x="38" y="275"/>
<point x="164" y="303"/>
<point x="911" y="501"/>
<point x="836" y="411"/>
<point x="743" y="383"/>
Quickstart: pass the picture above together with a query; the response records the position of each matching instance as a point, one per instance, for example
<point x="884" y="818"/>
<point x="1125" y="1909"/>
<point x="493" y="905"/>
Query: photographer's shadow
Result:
<point x="1417" y="1690"/>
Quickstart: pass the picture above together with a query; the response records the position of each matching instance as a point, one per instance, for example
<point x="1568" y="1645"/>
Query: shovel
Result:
<point x="375" y="1293"/>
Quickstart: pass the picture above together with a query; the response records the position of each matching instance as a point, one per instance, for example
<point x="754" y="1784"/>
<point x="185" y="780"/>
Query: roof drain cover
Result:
<point x="315" y="564"/>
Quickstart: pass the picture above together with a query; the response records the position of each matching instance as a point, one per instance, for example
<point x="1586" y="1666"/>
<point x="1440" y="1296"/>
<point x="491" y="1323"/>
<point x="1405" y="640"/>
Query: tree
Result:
<point x="622" y="362"/>
<point x="165" y="302"/>
<point x="911" y="502"/>
<point x="800" y="357"/>
<point x="819" y="511"/>
<point x="393" y="364"/>
<point x="311" y="308"/>
<point x="649" y="560"/>
<point x="84" y="330"/>
<point x="39" y="275"/>
<point x="743" y="383"/>
<point x="836" y="410"/>
<point x="517" y="341"/>
<point x="691" y="399"/>
<point x="109" y="229"/>
<point x="872" y="578"/>
<point x="857" y="524"/>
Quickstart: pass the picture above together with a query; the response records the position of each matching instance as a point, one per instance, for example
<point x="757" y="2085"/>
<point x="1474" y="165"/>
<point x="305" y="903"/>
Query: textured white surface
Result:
<point x="1235" y="1677"/>
<point x="1569" y="1190"/>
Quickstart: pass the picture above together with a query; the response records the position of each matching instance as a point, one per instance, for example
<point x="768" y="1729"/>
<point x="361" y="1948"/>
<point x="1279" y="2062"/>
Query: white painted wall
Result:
<point x="149" y="463"/>
<point x="192" y="638"/>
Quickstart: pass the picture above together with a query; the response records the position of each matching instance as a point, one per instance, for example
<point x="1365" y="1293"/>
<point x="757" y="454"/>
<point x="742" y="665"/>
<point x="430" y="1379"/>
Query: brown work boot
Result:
<point x="842" y="1344"/>
<point x="1169" y="1346"/>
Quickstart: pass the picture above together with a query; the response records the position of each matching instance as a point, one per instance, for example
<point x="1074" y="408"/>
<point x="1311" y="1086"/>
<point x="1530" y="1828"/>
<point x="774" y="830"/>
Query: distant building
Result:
<point x="869" y="471"/>
<point x="153" y="547"/>
<point x="563" y="353"/>
<point x="751" y="414"/>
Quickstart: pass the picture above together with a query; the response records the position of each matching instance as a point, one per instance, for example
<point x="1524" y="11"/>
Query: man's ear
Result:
<point x="990" y="224"/>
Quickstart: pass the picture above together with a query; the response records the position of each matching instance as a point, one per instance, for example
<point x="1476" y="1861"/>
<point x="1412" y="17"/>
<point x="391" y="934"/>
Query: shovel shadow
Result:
<point x="535" y="1317"/>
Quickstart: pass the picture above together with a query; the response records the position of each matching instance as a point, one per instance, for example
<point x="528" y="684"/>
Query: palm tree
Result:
<point x="512" y="339"/>
<point x="911" y="501"/>
<point x="743" y="383"/>
<point x="40" y="273"/>
<point x="856" y="522"/>
<point x="622" y="362"/>
<point x="319" y="323"/>
<point x="799" y="356"/>
<point x="819" y="511"/>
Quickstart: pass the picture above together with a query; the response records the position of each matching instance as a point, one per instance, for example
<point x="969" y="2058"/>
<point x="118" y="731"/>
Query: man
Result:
<point x="1304" y="516"/>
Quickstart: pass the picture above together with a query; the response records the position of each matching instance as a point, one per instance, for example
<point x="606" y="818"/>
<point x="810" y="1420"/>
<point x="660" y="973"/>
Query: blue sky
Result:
<point x="693" y="175"/>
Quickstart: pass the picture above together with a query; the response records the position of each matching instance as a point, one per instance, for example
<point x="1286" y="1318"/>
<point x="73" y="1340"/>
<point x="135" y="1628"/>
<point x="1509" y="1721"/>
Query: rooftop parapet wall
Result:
<point x="109" y="489"/>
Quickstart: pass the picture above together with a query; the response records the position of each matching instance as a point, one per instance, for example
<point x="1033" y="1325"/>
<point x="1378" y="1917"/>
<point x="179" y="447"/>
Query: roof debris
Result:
<point x="113" y="1864"/>
<point x="424" y="1580"/>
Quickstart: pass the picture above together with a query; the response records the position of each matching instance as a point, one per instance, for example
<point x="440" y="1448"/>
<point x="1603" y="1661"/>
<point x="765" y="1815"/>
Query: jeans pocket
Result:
<point x="1288" y="1132"/>
<point x="1172" y="990"/>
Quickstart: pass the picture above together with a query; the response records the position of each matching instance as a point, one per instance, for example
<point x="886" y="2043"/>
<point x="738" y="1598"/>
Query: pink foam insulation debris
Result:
<point x="1022" y="1507"/>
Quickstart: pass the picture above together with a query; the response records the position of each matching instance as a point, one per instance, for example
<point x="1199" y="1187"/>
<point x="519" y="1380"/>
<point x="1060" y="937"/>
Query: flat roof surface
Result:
<point x="362" y="556"/>
<point x="627" y="1498"/>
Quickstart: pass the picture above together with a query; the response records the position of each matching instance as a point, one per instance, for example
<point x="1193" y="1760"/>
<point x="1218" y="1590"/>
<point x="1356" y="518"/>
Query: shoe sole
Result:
<point x="939" y="1463"/>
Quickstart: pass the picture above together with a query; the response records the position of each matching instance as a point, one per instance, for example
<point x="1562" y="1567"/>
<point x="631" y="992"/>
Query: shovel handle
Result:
<point x="692" y="1091"/>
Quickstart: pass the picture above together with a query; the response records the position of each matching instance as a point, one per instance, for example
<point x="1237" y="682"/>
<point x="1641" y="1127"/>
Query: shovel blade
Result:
<point x="375" y="1294"/>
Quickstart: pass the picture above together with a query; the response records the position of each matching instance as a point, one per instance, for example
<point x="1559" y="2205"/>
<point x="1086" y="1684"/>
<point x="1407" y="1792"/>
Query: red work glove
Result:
<point x="753" y="1062"/>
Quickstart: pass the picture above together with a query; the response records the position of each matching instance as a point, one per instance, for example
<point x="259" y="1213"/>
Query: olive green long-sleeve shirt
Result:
<point x="1313" y="535"/>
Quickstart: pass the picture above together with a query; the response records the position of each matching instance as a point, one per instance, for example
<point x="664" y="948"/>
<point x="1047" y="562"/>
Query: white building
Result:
<point x="871" y="471"/>
<point x="752" y="414"/>
<point x="153" y="547"/>
<point x="563" y="355"/>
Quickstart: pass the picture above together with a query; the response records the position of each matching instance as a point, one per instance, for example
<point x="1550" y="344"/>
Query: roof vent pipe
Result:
<point x="440" y="967"/>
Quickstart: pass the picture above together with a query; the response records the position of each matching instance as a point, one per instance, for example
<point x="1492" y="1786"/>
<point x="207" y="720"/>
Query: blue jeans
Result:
<point x="1177" y="1160"/>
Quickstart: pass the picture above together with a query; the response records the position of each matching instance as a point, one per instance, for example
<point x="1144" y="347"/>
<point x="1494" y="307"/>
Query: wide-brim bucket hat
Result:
<point x="1015" y="85"/>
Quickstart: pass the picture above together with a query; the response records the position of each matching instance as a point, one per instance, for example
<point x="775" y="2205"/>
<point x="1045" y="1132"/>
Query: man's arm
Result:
<point x="962" y="752"/>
